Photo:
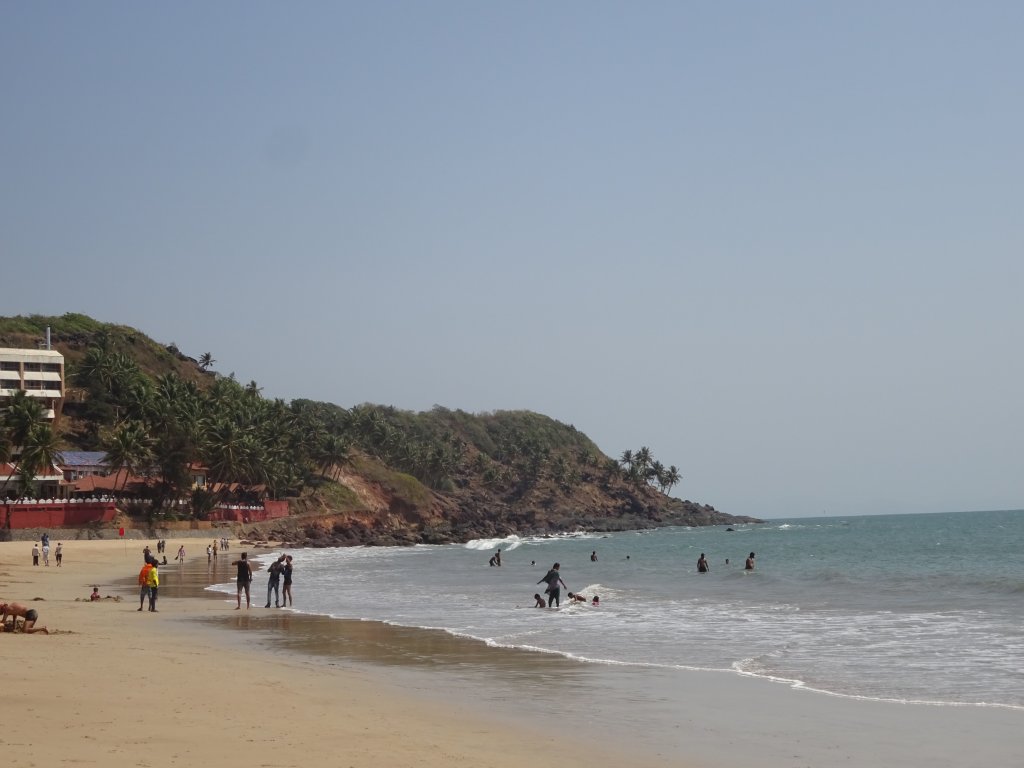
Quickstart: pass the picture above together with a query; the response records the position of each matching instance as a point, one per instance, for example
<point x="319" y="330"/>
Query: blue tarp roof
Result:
<point x="81" y="458"/>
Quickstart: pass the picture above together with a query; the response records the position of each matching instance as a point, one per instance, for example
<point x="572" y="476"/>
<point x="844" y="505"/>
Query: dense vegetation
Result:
<point x="158" y="413"/>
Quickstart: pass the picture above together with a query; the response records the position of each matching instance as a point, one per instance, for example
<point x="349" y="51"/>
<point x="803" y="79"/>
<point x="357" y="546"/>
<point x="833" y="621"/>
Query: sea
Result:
<point x="924" y="608"/>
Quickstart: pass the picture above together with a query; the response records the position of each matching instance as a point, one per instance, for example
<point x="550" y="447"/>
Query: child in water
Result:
<point x="597" y="600"/>
<point x="540" y="602"/>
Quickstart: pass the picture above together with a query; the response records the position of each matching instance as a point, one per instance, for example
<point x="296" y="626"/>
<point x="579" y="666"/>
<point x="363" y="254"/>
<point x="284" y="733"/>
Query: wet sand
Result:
<point x="209" y="679"/>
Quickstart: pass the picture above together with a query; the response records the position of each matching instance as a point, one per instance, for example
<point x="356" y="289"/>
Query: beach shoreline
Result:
<point x="130" y="684"/>
<point x="116" y="687"/>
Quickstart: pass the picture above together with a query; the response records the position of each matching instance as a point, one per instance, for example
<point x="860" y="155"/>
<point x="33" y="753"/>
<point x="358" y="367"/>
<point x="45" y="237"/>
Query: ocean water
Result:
<point x="908" y="608"/>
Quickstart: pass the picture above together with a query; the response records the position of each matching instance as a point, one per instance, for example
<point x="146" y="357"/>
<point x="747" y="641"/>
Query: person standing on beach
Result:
<point x="46" y="553"/>
<point x="243" y="580"/>
<point x="59" y="553"/>
<point x="209" y="554"/>
<point x="274" y="582"/>
<point x="144" y="581"/>
<point x="554" y="582"/>
<point x="181" y="554"/>
<point x="153" y="582"/>
<point x="286" y="590"/>
<point x="35" y="554"/>
<point x="749" y="565"/>
<point x="702" y="564"/>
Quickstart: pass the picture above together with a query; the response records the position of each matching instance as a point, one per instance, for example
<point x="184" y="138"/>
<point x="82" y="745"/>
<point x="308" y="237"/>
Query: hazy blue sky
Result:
<point x="778" y="243"/>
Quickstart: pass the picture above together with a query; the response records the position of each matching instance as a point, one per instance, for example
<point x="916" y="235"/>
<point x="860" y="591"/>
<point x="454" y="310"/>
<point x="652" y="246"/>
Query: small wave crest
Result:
<point x="507" y="544"/>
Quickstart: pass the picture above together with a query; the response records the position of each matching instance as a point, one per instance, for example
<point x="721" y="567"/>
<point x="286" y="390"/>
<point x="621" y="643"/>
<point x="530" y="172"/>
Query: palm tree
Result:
<point x="642" y="459"/>
<point x="626" y="460"/>
<point x="38" y="454"/>
<point x="129" y="449"/>
<point x="672" y="478"/>
<point x="656" y="472"/>
<point x="23" y="416"/>
<point x="206" y="360"/>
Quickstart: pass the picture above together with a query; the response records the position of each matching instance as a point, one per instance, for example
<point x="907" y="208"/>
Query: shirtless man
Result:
<point x="243" y="579"/>
<point x="14" y="610"/>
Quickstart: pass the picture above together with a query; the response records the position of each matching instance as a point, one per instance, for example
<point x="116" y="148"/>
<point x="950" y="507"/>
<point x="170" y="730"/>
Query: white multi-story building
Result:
<point x="38" y="373"/>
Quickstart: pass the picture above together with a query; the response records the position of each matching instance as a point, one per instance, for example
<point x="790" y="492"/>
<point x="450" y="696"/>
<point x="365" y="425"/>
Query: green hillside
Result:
<point x="391" y="475"/>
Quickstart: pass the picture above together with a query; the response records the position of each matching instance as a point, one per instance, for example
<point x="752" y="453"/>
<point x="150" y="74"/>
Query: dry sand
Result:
<point x="115" y="687"/>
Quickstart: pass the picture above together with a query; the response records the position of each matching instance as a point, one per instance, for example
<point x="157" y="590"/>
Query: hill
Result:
<point x="369" y="473"/>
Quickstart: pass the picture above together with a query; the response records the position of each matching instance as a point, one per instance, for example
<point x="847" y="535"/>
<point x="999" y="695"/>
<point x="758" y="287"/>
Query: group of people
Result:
<point x="553" y="579"/>
<point x="704" y="567"/>
<point x="279" y="571"/>
<point x="58" y="553"/>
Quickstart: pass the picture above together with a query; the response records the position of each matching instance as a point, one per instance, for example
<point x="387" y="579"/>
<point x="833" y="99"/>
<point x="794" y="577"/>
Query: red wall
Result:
<point x="56" y="515"/>
<point x="62" y="515"/>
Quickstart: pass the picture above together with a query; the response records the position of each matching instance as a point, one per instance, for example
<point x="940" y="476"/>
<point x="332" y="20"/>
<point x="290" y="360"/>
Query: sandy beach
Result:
<point x="115" y="687"/>
<point x="199" y="681"/>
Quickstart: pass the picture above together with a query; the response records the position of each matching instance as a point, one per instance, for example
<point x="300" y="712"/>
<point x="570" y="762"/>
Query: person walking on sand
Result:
<point x="59" y="553"/>
<point x="180" y="557"/>
<point x="153" y="582"/>
<point x="46" y="554"/>
<point x="144" y="581"/>
<point x="702" y="564"/>
<point x="209" y="554"/>
<point x="35" y="554"/>
<point x="554" y="581"/>
<point x="30" y="615"/>
<point x="243" y="580"/>
<point x="286" y="590"/>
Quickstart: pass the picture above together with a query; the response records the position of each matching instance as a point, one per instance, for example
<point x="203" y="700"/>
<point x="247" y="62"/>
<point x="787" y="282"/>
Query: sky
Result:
<point x="779" y="244"/>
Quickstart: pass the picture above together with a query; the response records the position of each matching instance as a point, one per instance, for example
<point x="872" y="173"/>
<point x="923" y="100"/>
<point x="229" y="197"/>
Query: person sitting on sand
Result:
<point x="597" y="600"/>
<point x="95" y="594"/>
<point x="14" y="610"/>
<point x="540" y="602"/>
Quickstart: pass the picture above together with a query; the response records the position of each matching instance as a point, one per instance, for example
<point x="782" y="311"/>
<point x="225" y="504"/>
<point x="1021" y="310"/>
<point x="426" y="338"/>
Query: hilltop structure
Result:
<point x="39" y="373"/>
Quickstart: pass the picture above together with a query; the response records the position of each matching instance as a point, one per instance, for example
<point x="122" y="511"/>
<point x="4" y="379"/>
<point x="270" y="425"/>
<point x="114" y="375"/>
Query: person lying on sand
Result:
<point x="14" y="610"/>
